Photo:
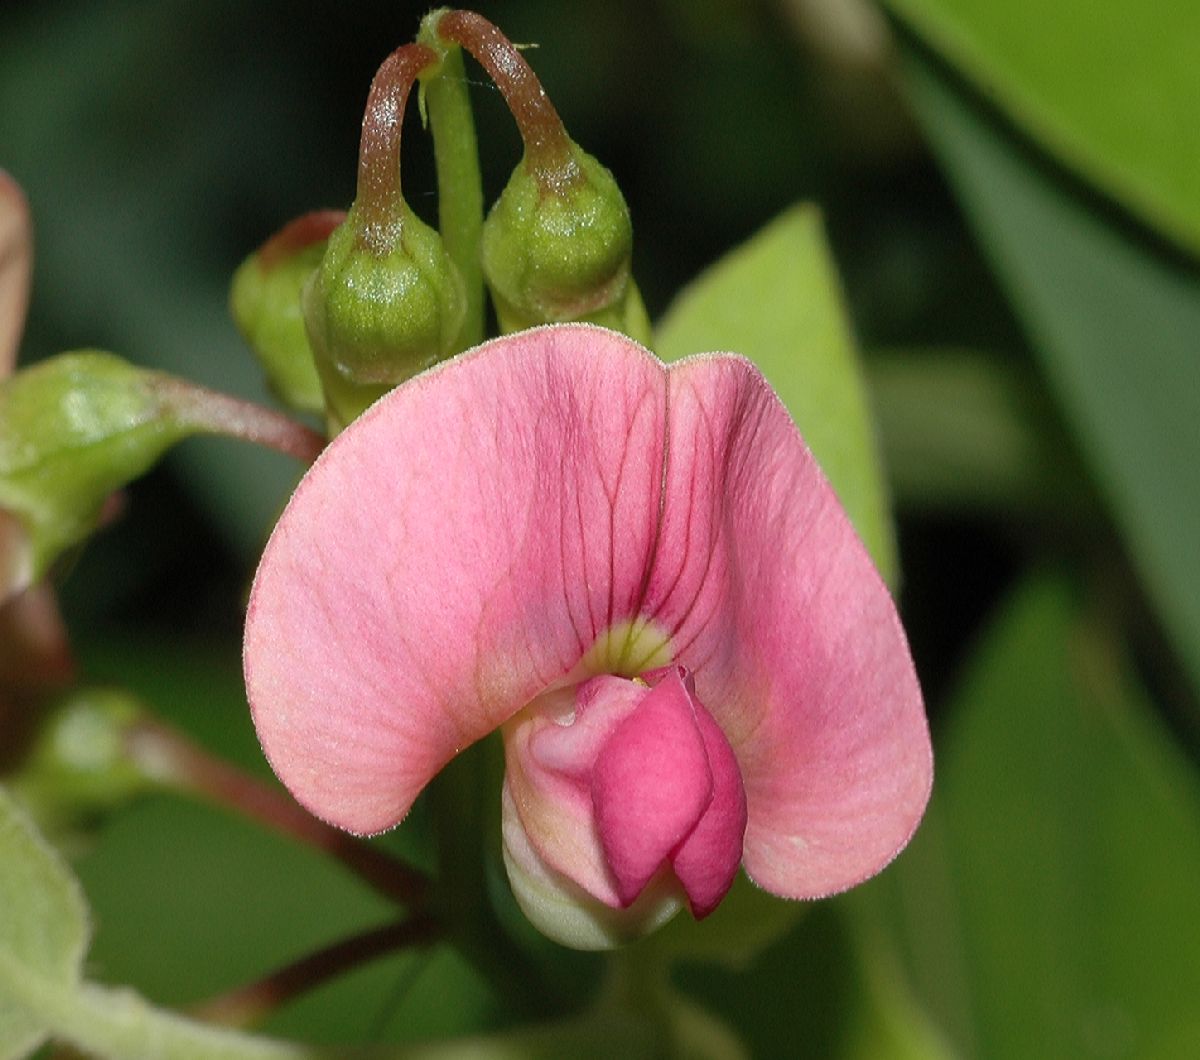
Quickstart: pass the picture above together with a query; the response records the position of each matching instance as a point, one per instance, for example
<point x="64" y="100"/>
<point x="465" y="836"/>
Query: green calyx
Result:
<point x="73" y="429"/>
<point x="80" y="768"/>
<point x="383" y="305"/>
<point x="558" y="251"/>
<point x="264" y="300"/>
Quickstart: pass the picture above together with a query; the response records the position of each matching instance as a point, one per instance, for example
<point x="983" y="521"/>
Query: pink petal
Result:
<point x="770" y="598"/>
<point x="16" y="262"/>
<point x="548" y="777"/>
<point x="450" y="556"/>
<point x="650" y="785"/>
<point x="566" y="912"/>
<point x="708" y="860"/>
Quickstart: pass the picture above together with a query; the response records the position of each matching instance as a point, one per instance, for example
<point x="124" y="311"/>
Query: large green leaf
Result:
<point x="1115" y="322"/>
<point x="1111" y="87"/>
<point x="1049" y="900"/>
<point x="776" y="300"/>
<point x="43" y="926"/>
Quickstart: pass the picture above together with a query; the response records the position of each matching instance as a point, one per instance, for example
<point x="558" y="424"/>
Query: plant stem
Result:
<point x="250" y="1004"/>
<point x="173" y="759"/>
<point x="212" y="412"/>
<point x="379" y="203"/>
<point x="547" y="145"/>
<point x="456" y="156"/>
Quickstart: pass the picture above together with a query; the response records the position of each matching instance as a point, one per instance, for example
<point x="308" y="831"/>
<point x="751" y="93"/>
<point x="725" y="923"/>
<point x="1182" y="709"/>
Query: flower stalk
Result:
<point x="172" y="759"/>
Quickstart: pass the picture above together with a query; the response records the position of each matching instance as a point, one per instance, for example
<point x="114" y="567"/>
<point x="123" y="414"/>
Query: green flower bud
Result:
<point x="73" y="429"/>
<point x="558" y="253"/>
<point x="386" y="301"/>
<point x="383" y="305"/>
<point x="265" y="302"/>
<point x="79" y="768"/>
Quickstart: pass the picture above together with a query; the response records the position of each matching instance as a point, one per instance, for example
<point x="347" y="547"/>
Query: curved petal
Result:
<point x="549" y="756"/>
<point x="452" y="554"/>
<point x="707" y="861"/>
<point x="562" y="910"/>
<point x="771" y="600"/>
<point x="651" y="784"/>
<point x="16" y="263"/>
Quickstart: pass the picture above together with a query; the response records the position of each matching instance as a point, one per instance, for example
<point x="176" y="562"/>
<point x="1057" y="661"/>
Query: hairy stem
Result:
<point x="379" y="203"/>
<point x="212" y="412"/>
<point x="547" y="146"/>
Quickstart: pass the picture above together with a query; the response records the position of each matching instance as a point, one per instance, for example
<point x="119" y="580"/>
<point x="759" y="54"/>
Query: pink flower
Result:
<point x="640" y="573"/>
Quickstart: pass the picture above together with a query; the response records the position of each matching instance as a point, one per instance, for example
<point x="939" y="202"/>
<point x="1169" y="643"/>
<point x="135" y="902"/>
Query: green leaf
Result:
<point x="1115" y="323"/>
<point x="43" y="925"/>
<point x="776" y="300"/>
<point x="1110" y="87"/>
<point x="961" y="430"/>
<point x="1048" y="902"/>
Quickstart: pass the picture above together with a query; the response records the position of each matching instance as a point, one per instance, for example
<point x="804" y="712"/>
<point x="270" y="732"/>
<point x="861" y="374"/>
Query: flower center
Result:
<point x="628" y="649"/>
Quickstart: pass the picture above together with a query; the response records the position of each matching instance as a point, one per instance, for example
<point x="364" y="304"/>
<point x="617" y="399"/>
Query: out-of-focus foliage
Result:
<point x="1048" y="906"/>
<point x="1116" y="321"/>
<point x="1110" y="88"/>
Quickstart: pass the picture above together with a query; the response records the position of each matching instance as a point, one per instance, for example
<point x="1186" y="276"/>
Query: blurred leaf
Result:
<point x="962" y="430"/>
<point x="43" y="926"/>
<point x="1049" y="901"/>
<point x="1116" y="325"/>
<point x="191" y="901"/>
<point x="1110" y="87"/>
<point x="776" y="300"/>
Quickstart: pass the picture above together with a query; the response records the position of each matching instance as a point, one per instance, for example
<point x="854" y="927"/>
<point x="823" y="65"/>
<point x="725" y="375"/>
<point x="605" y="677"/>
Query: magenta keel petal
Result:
<point x="650" y="785"/>
<point x="708" y="859"/>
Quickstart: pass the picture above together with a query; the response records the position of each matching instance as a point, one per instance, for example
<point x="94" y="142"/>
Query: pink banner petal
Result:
<point x="771" y="599"/>
<point x="451" y="555"/>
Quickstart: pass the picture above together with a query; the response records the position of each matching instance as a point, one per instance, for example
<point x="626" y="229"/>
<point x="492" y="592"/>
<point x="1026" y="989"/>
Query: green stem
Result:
<point x="456" y="156"/>
<point x="108" y="1022"/>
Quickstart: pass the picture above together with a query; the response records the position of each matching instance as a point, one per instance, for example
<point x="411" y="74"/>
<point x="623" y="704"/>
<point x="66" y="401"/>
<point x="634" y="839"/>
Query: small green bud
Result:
<point x="79" y="768"/>
<point x="384" y="304"/>
<point x="265" y="302"/>
<point x="73" y="429"/>
<point x="559" y="252"/>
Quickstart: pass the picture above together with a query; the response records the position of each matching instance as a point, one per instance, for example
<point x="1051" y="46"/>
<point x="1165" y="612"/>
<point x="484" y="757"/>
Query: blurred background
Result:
<point x="1012" y="200"/>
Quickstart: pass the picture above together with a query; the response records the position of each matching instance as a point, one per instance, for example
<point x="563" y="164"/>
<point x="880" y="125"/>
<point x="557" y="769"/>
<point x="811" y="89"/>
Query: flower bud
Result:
<point x="383" y="305"/>
<point x="73" y="429"/>
<point x="386" y="301"/>
<point x="559" y="253"/>
<point x="79" y="768"/>
<point x="265" y="302"/>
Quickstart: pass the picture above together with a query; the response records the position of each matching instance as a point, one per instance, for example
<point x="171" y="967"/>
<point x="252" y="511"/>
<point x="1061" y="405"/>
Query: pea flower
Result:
<point x="639" y="574"/>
